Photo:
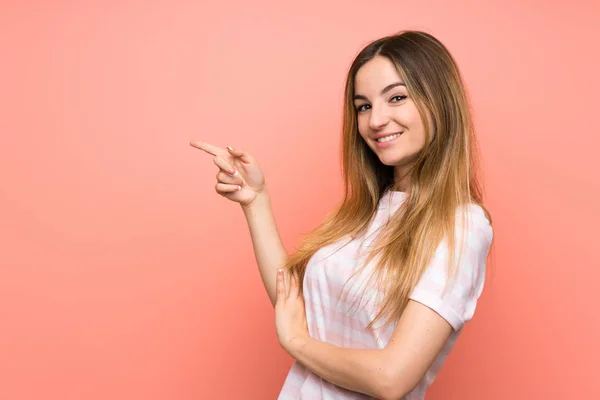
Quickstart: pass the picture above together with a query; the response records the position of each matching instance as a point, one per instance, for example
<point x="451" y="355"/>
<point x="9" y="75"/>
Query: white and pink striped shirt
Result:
<point x="338" y="313"/>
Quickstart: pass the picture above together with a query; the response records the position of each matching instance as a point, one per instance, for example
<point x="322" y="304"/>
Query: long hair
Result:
<point x="443" y="177"/>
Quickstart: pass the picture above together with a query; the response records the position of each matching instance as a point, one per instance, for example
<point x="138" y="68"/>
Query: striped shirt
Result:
<point x="339" y="308"/>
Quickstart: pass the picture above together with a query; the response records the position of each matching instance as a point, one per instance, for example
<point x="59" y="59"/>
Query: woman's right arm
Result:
<point x="241" y="180"/>
<point x="268" y="248"/>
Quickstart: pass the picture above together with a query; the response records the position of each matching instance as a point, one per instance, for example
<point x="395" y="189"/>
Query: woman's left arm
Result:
<point x="388" y="373"/>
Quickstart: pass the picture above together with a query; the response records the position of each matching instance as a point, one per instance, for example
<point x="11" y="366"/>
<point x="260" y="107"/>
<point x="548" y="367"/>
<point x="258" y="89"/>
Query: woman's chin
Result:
<point x="390" y="161"/>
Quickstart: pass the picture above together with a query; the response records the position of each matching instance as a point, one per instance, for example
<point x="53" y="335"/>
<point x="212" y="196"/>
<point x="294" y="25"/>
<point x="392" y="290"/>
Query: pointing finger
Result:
<point x="209" y="148"/>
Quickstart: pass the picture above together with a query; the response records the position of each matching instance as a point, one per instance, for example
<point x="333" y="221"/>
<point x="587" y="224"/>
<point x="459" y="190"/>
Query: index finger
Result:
<point x="209" y="148"/>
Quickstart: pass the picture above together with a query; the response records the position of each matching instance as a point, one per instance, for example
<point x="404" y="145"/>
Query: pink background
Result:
<point x="124" y="276"/>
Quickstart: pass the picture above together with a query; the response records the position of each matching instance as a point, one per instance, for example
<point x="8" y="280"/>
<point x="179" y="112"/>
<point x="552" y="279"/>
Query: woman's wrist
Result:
<point x="262" y="199"/>
<point x="296" y="345"/>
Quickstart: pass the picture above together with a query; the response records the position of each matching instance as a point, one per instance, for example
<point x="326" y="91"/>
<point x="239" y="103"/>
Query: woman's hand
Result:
<point x="290" y="317"/>
<point x="240" y="178"/>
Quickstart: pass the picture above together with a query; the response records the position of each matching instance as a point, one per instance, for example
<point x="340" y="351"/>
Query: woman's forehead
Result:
<point x="377" y="74"/>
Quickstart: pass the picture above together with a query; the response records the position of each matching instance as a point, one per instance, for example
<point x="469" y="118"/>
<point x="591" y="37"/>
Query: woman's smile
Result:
<point x="387" y="141"/>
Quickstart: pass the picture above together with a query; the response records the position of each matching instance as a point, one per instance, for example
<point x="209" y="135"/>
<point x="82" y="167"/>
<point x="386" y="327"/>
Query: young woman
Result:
<point x="376" y="296"/>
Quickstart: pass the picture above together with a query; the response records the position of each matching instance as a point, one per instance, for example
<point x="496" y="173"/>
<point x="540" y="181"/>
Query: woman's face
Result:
<point x="388" y="119"/>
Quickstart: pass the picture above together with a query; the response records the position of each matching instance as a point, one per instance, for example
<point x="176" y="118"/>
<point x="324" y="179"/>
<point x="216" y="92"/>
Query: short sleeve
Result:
<point x="456" y="302"/>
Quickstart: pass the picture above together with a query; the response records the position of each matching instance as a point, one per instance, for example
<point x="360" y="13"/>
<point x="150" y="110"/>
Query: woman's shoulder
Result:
<point x="475" y="212"/>
<point x="478" y="228"/>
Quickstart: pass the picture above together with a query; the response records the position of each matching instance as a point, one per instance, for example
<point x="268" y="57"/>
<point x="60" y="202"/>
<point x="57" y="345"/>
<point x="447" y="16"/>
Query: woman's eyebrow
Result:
<point x="385" y="89"/>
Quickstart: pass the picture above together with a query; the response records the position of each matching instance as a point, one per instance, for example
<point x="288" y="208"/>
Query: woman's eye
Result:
<point x="394" y="99"/>
<point x="399" y="97"/>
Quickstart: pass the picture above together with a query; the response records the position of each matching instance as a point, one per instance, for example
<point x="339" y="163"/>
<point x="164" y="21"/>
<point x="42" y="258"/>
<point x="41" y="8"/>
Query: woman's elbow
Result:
<point x="394" y="388"/>
<point x="393" y="394"/>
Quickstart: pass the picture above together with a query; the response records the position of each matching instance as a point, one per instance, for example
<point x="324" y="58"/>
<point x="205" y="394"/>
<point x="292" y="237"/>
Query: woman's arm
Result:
<point x="240" y="179"/>
<point x="268" y="248"/>
<point x="389" y="373"/>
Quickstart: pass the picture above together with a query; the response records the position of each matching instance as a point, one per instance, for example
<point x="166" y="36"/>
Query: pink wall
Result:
<point x="124" y="276"/>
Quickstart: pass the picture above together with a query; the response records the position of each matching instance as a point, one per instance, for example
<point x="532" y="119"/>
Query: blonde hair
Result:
<point x="443" y="178"/>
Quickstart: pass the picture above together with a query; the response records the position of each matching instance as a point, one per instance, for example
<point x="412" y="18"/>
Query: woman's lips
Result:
<point x="388" y="142"/>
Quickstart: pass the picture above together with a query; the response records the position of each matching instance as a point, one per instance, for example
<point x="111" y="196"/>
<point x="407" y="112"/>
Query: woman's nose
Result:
<point x="379" y="117"/>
